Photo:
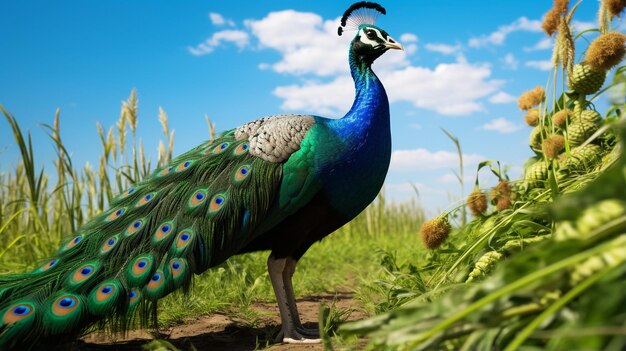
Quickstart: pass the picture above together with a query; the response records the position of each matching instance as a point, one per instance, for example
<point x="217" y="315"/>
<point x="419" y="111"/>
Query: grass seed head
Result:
<point x="503" y="203"/>
<point x="435" y="232"/>
<point x="532" y="117"/>
<point x="552" y="146"/>
<point x="477" y="202"/>
<point x="560" y="118"/>
<point x="615" y="7"/>
<point x="551" y="22"/>
<point x="502" y="189"/>
<point x="552" y="18"/>
<point x="606" y="51"/>
<point x="531" y="98"/>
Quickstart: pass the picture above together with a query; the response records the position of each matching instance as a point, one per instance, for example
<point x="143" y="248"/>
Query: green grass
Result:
<point x="340" y="262"/>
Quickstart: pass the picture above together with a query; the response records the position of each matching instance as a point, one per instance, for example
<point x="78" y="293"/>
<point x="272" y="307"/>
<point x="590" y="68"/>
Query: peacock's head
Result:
<point x="370" y="41"/>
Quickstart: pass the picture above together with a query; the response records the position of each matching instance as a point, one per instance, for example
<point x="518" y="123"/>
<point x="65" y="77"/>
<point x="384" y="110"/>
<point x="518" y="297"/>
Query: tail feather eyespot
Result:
<point x="241" y="149"/>
<point x="134" y="296"/>
<point x="104" y="297"/>
<point x="165" y="171"/>
<point x="197" y="198"/>
<point x="135" y="226"/>
<point x="157" y="286"/>
<point x="182" y="241"/>
<point x="128" y="192"/>
<point x="163" y="231"/>
<point x="82" y="274"/>
<point x="19" y="312"/>
<point x="217" y="202"/>
<point x="184" y="166"/>
<point x="221" y="148"/>
<point x="117" y="213"/>
<point x="178" y="271"/>
<point x="139" y="270"/>
<point x="241" y="174"/>
<point x="65" y="312"/>
<point x="145" y="199"/>
<point x="109" y="244"/>
<point x="72" y="243"/>
<point x="46" y="266"/>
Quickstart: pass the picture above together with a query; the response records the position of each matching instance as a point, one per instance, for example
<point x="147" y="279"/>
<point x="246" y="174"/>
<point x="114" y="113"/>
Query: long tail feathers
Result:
<point x="147" y="245"/>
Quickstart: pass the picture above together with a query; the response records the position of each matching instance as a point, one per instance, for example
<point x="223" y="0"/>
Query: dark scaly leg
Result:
<point x="289" y="332"/>
<point x="290" y="269"/>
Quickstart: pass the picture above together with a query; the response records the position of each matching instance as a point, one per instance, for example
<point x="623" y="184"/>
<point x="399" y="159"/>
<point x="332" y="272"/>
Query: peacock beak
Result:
<point x="392" y="44"/>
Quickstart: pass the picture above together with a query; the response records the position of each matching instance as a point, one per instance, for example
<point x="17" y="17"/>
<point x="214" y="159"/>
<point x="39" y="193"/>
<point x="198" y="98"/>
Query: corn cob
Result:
<point x="484" y="264"/>
<point x="580" y="131"/>
<point x="585" y="79"/>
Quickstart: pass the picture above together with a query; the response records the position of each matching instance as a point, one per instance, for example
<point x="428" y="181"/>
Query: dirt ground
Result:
<point x="219" y="332"/>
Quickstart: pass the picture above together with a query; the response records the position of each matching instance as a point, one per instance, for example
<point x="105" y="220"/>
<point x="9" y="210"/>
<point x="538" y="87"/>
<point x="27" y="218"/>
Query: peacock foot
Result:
<point x="298" y="336"/>
<point x="308" y="333"/>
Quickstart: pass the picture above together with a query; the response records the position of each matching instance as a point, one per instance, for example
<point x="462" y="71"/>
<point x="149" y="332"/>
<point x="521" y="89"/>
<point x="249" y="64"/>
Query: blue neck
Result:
<point x="370" y="109"/>
<point x="362" y="147"/>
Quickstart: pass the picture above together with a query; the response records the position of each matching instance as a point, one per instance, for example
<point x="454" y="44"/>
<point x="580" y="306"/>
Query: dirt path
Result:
<point x="221" y="333"/>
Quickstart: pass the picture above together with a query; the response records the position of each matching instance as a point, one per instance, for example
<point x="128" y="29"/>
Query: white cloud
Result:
<point x="240" y="38"/>
<point x="451" y="178"/>
<point x="410" y="49"/>
<point x="409" y="41"/>
<point x="502" y="98"/>
<point x="408" y="38"/>
<point x="415" y="126"/>
<point x="315" y="47"/>
<point x="501" y="125"/>
<point x="544" y="65"/>
<point x="543" y="44"/>
<point x="434" y="198"/>
<point x="407" y="188"/>
<point x="315" y="50"/>
<point x="219" y="20"/>
<point x="423" y="160"/>
<point x="443" y="49"/>
<point x="332" y="99"/>
<point x="499" y="36"/>
<point x="510" y="61"/>
<point x="580" y="26"/>
<point x="449" y="88"/>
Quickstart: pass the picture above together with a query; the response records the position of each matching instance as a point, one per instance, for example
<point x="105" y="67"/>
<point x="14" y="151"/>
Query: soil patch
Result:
<point x="222" y="333"/>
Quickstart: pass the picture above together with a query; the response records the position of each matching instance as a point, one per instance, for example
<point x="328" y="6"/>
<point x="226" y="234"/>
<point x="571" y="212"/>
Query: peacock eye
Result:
<point x="370" y="34"/>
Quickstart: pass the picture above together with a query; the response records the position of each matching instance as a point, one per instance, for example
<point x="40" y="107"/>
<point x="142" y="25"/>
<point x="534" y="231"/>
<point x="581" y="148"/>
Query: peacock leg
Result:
<point x="290" y="269"/>
<point x="288" y="332"/>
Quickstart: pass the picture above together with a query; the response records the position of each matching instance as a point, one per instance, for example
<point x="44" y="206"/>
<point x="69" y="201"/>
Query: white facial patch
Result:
<point x="372" y="42"/>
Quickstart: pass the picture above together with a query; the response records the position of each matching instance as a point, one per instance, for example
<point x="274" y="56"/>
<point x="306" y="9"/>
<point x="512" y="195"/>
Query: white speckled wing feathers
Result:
<point x="275" y="138"/>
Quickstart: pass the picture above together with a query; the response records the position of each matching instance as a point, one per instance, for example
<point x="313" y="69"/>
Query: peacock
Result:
<point x="278" y="183"/>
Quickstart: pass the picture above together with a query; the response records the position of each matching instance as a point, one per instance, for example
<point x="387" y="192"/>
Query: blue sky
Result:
<point x="465" y="64"/>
